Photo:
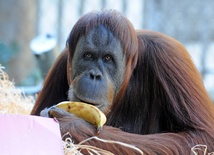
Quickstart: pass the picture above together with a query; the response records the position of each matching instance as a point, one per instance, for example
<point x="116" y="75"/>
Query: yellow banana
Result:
<point x="85" y="111"/>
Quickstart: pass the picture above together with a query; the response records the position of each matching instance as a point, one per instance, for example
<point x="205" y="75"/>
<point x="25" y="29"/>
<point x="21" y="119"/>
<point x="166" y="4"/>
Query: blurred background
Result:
<point x="34" y="32"/>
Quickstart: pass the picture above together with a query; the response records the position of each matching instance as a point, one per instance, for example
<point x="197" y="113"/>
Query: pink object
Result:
<point x="29" y="135"/>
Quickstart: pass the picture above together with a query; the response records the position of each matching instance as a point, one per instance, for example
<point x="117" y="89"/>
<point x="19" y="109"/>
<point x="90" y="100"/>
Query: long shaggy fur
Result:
<point x="163" y="107"/>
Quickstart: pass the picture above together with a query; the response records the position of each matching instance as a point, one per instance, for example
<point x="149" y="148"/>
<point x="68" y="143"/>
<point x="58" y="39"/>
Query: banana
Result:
<point x="85" y="111"/>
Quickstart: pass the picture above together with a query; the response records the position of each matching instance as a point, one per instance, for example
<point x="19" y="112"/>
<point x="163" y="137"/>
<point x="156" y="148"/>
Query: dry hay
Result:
<point x="13" y="100"/>
<point x="200" y="149"/>
<point x="75" y="149"/>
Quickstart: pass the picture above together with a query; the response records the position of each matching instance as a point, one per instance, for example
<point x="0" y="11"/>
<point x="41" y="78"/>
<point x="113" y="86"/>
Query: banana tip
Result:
<point x="99" y="129"/>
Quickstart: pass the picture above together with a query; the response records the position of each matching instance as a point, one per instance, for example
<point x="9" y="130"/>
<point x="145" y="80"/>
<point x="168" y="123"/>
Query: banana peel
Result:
<point x="85" y="111"/>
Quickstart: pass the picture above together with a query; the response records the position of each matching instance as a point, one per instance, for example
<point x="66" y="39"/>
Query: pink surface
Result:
<point x="29" y="135"/>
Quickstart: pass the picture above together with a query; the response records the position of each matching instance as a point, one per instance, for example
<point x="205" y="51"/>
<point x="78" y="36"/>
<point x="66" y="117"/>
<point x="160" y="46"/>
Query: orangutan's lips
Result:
<point x="98" y="105"/>
<point x="94" y="104"/>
